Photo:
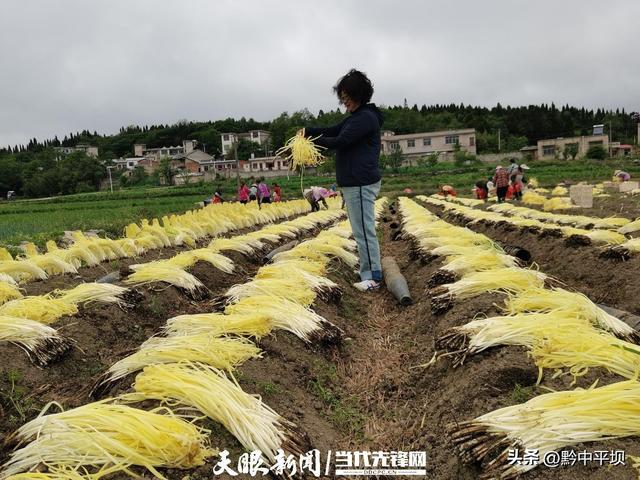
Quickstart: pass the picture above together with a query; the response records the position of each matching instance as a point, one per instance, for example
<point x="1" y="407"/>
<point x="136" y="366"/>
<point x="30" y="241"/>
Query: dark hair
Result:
<point x="356" y="85"/>
<point x="513" y="160"/>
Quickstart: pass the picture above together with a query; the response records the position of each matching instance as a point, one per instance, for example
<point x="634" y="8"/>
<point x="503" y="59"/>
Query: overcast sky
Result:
<point x="69" y="65"/>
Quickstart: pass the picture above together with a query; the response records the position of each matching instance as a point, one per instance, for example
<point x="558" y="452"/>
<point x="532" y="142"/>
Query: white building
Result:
<point x="81" y="147"/>
<point x="260" y="137"/>
<point x="141" y="150"/>
<point x="414" y="145"/>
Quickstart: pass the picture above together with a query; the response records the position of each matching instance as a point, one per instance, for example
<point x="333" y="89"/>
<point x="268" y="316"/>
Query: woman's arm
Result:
<point x="331" y="131"/>
<point x="351" y="131"/>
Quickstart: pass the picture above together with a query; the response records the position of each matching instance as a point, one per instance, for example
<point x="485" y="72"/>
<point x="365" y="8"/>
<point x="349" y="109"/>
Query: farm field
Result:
<point x="350" y="371"/>
<point x="39" y="220"/>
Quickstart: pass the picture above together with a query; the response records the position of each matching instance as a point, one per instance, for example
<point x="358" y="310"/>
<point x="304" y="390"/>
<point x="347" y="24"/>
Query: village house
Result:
<point x="90" y="150"/>
<point x="416" y="145"/>
<point x="261" y="137"/>
<point x="555" y="147"/>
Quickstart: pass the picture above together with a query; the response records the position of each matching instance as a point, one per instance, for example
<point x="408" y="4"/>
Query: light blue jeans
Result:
<point x="360" y="203"/>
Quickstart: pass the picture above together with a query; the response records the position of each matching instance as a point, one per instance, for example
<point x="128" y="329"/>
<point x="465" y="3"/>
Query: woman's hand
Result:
<point x="300" y="132"/>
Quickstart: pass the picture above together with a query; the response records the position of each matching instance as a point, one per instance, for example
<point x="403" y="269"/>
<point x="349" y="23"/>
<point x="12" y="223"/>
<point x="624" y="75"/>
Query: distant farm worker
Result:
<point x="315" y="195"/>
<point x="277" y="192"/>
<point x="264" y="195"/>
<point x="253" y="192"/>
<point x="491" y="188"/>
<point x="621" y="176"/>
<point x="448" y="190"/>
<point x="217" y="196"/>
<point x="356" y="141"/>
<point x="518" y="184"/>
<point x="243" y="193"/>
<point x="512" y="169"/>
<point x="501" y="181"/>
<point x="481" y="190"/>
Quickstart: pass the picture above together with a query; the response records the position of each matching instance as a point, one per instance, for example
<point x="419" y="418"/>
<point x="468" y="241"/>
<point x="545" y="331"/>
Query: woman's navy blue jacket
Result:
<point x="356" y="141"/>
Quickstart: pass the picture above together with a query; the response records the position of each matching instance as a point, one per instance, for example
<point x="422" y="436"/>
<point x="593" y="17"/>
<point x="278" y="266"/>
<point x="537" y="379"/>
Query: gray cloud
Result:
<point x="75" y="64"/>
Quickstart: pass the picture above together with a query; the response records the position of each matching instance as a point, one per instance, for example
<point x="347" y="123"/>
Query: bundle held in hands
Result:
<point x="301" y="152"/>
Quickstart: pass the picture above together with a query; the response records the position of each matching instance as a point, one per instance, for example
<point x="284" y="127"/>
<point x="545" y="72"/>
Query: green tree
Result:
<point x="329" y="165"/>
<point x="138" y="177"/>
<point x="246" y="148"/>
<point x="597" y="152"/>
<point x="383" y="161"/>
<point x="394" y="159"/>
<point x="570" y="151"/>
<point x="10" y="176"/>
<point x="165" y="171"/>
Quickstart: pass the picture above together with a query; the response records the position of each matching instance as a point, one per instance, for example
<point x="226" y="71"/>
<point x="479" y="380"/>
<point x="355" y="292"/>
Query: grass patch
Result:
<point x="521" y="394"/>
<point x="343" y="411"/>
<point x="18" y="407"/>
<point x="269" y="388"/>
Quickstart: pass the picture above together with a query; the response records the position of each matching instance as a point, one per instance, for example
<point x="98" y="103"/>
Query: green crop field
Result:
<point x="44" y="219"/>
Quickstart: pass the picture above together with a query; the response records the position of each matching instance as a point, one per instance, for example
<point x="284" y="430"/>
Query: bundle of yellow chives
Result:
<point x="219" y="352"/>
<point x="102" y="433"/>
<point x="287" y="288"/>
<point x="583" y="348"/>
<point x="526" y="329"/>
<point x="481" y="260"/>
<point x="8" y="291"/>
<point x="41" y="343"/>
<point x="287" y="315"/>
<point x="22" y="270"/>
<point x="44" y="309"/>
<point x="92" y="292"/>
<point x="546" y="423"/>
<point x="505" y="280"/>
<point x="191" y="257"/>
<point x="578" y="304"/>
<point x="254" y="324"/>
<point x="254" y="424"/>
<point x="49" y="263"/>
<point x="301" y="152"/>
<point x="161" y="271"/>
<point x="630" y="227"/>
<point x="239" y="244"/>
<point x="533" y="198"/>
<point x="559" y="191"/>
<point x="302" y="271"/>
<point x="557" y="203"/>
<point x="65" y="473"/>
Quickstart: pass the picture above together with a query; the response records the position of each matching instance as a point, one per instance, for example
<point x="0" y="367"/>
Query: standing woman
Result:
<point x="356" y="141"/>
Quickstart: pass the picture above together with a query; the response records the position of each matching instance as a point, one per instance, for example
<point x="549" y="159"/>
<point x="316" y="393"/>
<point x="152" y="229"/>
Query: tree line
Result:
<point x="37" y="169"/>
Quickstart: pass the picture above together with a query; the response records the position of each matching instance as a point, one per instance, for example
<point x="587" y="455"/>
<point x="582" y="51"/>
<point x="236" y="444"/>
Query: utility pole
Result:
<point x="110" y="179"/>
<point x="499" y="144"/>
<point x="610" y="139"/>
<point x="235" y="152"/>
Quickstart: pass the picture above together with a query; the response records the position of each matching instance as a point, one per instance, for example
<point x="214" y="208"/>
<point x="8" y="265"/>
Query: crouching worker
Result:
<point x="315" y="195"/>
<point x="448" y="190"/>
